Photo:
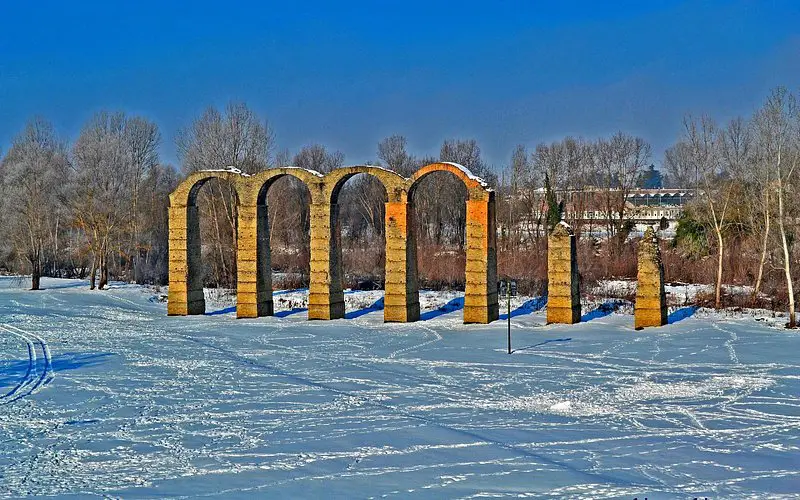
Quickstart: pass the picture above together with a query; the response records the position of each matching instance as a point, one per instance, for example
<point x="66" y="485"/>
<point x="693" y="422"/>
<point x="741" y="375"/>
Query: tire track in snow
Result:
<point x="26" y="379"/>
<point x="32" y="381"/>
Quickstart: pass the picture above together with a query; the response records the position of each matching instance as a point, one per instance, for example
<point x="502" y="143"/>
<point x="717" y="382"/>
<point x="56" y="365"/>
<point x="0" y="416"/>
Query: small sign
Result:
<point x="507" y="288"/>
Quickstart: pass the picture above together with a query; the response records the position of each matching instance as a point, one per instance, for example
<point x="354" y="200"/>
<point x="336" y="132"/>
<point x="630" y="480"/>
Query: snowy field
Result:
<point x="102" y="394"/>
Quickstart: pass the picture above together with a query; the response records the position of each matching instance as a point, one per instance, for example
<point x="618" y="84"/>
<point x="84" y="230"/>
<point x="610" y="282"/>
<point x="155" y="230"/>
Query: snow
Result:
<point x="235" y="170"/>
<point x="313" y="172"/>
<point x="230" y="169"/>
<point x="107" y="396"/>
<point x="468" y="173"/>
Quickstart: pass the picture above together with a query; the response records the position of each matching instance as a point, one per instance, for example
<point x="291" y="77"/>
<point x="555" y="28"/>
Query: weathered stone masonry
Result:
<point x="326" y="299"/>
<point x="651" y="301"/>
<point x="563" y="280"/>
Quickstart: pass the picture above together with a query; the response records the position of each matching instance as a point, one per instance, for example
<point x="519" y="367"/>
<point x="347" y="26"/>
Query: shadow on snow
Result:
<point x="375" y="306"/>
<point x="548" y="341"/>
<point x="454" y="305"/>
<point x="12" y="370"/>
<point x="681" y="314"/>
<point x="289" y="312"/>
<point x="527" y="307"/>
<point x="227" y="310"/>
<point x="603" y="310"/>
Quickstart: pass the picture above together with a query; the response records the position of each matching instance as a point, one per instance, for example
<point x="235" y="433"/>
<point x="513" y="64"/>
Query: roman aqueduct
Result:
<point x="326" y="298"/>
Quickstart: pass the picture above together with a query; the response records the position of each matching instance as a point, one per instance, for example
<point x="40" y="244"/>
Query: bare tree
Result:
<point x="317" y="157"/>
<point x="98" y="193"/>
<point x="678" y="166"/>
<point x="467" y="153"/>
<point x="235" y="138"/>
<point x="33" y="174"/>
<point x="141" y="140"/>
<point x="394" y="156"/>
<point x="779" y="136"/>
<point x="519" y="169"/>
<point x="619" y="161"/>
<point x="702" y="140"/>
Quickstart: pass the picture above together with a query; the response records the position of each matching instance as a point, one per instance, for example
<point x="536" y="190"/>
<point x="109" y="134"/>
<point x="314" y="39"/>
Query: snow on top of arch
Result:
<point x="469" y="174"/>
<point x="229" y="169"/>
<point x="310" y="171"/>
<point x="378" y="167"/>
<point x="234" y="170"/>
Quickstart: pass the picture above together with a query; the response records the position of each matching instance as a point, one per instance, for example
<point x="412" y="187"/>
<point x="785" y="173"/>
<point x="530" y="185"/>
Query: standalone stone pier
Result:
<point x="563" y="281"/>
<point x="651" y="300"/>
<point x="326" y="298"/>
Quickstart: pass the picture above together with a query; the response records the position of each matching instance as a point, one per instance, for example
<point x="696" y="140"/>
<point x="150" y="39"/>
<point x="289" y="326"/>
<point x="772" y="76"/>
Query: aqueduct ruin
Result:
<point x="326" y="298"/>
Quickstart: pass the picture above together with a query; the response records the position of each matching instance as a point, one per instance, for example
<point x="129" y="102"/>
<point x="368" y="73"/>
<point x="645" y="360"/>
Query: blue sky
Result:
<point x="347" y="74"/>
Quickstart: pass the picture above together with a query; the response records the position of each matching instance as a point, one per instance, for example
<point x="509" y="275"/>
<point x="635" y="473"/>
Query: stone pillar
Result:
<point x="185" y="272"/>
<point x="563" y="280"/>
<point x="651" y="300"/>
<point x="401" y="299"/>
<point x="325" y="297"/>
<point x="480" y="293"/>
<point x="254" y="269"/>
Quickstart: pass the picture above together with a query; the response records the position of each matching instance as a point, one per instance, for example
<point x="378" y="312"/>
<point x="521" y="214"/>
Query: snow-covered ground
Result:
<point x="102" y="394"/>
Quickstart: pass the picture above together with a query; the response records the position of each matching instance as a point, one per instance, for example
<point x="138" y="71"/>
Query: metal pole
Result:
<point x="508" y="308"/>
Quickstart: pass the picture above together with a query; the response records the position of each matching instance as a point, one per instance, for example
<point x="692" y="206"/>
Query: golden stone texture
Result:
<point x="651" y="300"/>
<point x="563" y="280"/>
<point x="326" y="299"/>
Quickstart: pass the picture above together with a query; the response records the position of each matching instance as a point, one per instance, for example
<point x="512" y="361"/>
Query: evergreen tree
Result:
<point x="554" y="208"/>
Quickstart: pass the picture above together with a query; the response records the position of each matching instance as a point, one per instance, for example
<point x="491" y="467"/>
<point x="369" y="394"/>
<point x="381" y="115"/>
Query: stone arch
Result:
<point x="394" y="183"/>
<point x="480" y="291"/>
<point x="185" y="278"/>
<point x="254" y="279"/>
<point x="401" y="298"/>
<point x="185" y="195"/>
<point x="470" y="180"/>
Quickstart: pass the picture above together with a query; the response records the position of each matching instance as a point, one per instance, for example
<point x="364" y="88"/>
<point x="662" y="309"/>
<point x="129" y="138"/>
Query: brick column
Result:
<point x="401" y="299"/>
<point x="480" y="294"/>
<point x="325" y="297"/>
<point x="651" y="300"/>
<point x="563" y="281"/>
<point x="254" y="269"/>
<point x="185" y="272"/>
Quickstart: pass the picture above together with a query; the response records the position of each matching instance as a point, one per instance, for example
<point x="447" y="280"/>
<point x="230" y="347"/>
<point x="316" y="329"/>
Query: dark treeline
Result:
<point x="97" y="207"/>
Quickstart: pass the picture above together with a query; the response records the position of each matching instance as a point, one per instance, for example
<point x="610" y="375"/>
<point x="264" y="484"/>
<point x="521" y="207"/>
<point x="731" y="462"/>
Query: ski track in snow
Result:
<point x="147" y="405"/>
<point x="32" y="381"/>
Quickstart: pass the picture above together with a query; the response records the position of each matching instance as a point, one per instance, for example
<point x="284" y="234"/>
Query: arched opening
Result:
<point x="203" y="235"/>
<point x="457" y="237"/>
<point x="439" y="201"/>
<point x="358" y="204"/>
<point x="288" y="203"/>
<point x="277" y="253"/>
<point x="373" y="217"/>
<point x="216" y="203"/>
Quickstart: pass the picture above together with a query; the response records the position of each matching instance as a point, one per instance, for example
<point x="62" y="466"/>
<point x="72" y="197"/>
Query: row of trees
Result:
<point x="97" y="207"/>
<point x="594" y="175"/>
<point x="747" y="170"/>
<point x="68" y="210"/>
<point x="740" y="228"/>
